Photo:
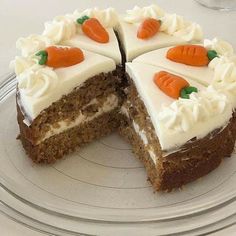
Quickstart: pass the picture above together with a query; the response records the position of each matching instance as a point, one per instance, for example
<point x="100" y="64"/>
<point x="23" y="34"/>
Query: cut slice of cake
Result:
<point x="203" y="74"/>
<point x="83" y="29"/>
<point x="65" y="103"/>
<point x="218" y="69"/>
<point x="172" y="30"/>
<point x="179" y="140"/>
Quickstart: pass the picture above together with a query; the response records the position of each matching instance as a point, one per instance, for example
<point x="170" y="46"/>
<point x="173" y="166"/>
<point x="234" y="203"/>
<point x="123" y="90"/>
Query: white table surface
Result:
<point x="23" y="17"/>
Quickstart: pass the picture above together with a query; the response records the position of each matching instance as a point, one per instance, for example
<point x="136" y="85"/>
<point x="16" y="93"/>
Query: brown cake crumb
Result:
<point x="193" y="160"/>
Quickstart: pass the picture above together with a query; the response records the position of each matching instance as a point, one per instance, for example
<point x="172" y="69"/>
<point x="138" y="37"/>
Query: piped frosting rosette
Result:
<point x="224" y="66"/>
<point x="65" y="27"/>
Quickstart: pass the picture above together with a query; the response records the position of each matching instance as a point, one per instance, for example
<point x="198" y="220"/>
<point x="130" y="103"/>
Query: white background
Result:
<point x="23" y="17"/>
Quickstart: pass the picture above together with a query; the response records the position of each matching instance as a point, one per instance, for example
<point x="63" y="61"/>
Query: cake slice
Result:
<point x="203" y="75"/>
<point x="218" y="68"/>
<point x="178" y="140"/>
<point x="61" y="107"/>
<point x="69" y="30"/>
<point x="173" y="30"/>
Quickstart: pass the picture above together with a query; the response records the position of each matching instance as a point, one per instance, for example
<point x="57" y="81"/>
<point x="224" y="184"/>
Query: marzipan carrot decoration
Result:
<point x="149" y="28"/>
<point x="93" y="29"/>
<point x="172" y="85"/>
<point x="193" y="55"/>
<point x="57" y="57"/>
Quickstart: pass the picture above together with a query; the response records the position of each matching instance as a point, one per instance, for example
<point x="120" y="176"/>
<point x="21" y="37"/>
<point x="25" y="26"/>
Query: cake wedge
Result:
<point x="178" y="140"/>
<point x="60" y="109"/>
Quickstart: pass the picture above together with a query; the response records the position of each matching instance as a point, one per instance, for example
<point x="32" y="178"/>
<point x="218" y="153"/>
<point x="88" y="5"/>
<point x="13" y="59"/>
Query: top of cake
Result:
<point x="174" y="29"/>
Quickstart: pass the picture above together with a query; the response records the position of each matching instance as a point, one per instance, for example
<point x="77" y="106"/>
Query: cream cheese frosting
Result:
<point x="107" y="17"/>
<point x="174" y="30"/>
<point x="203" y="74"/>
<point x="110" y="49"/>
<point x="109" y="104"/>
<point x="220" y="72"/>
<point x="64" y="30"/>
<point x="40" y="86"/>
<point x="178" y="121"/>
<point x="60" y="29"/>
<point x="32" y="44"/>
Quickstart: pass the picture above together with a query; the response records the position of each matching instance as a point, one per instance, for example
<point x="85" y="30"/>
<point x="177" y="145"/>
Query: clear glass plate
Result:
<point x="103" y="181"/>
<point x="55" y="224"/>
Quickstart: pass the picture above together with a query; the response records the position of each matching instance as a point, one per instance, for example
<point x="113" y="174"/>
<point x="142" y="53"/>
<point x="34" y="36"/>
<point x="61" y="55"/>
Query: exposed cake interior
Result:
<point x="72" y="103"/>
<point x="170" y="163"/>
<point x="77" y="113"/>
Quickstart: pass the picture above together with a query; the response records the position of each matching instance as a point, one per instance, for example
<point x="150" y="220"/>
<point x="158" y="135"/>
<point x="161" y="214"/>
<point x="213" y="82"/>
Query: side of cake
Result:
<point x="63" y="108"/>
<point x="177" y="152"/>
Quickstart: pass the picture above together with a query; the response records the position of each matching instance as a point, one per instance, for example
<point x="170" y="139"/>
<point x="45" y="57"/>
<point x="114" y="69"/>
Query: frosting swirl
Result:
<point x="193" y="32"/>
<point x="176" y="25"/>
<point x="107" y="17"/>
<point x="182" y="114"/>
<point x="32" y="44"/>
<point x="225" y="79"/>
<point x="222" y="47"/>
<point x="37" y="81"/>
<point x="138" y="14"/>
<point x="60" y="29"/>
<point x="20" y="64"/>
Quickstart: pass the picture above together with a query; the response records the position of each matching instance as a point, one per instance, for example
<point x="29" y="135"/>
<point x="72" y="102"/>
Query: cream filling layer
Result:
<point x="142" y="134"/>
<point x="53" y="84"/>
<point x="110" y="103"/>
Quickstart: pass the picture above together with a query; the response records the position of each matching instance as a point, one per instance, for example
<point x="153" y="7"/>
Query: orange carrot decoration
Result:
<point x="93" y="29"/>
<point x="148" y="28"/>
<point x="57" y="57"/>
<point x="193" y="55"/>
<point x="173" y="85"/>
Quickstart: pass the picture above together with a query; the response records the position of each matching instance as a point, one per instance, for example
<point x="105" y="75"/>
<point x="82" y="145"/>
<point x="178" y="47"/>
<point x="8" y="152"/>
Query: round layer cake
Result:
<point x="147" y="74"/>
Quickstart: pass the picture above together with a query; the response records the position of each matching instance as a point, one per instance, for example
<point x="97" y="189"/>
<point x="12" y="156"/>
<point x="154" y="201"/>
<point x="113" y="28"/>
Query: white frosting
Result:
<point x="221" y="71"/>
<point x="32" y="44"/>
<point x="174" y="30"/>
<point x="183" y="114"/>
<point x="110" y="49"/>
<point x="107" y="17"/>
<point x="134" y="46"/>
<point x="138" y="14"/>
<point x="184" y="119"/>
<point x="60" y="29"/>
<point x="20" y="64"/>
<point x="37" y="81"/>
<point x="143" y="137"/>
<point x="53" y="84"/>
<point x="222" y="48"/>
<point x="64" y="30"/>
<point x="141" y="133"/>
<point x="203" y="75"/>
<point x="225" y="80"/>
<point x="110" y="103"/>
<point x="175" y="25"/>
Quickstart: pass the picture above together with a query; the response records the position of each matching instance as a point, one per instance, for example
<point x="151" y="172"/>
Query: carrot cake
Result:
<point x="147" y="73"/>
